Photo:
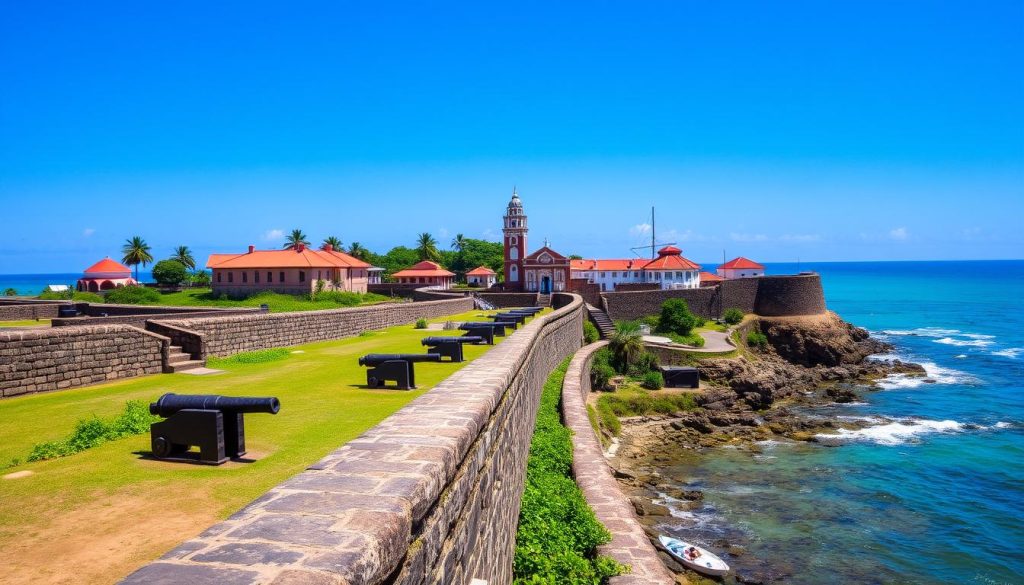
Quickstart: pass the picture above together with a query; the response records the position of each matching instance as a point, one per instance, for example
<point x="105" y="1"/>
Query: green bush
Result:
<point x="732" y="316"/>
<point x="421" y="323"/>
<point x="693" y="339"/>
<point x="132" y="295"/>
<point x="608" y="419"/>
<point x="626" y="346"/>
<point x="600" y="376"/>
<point x="757" y="339"/>
<point x="339" y="297"/>
<point x="653" y="381"/>
<point x="590" y="333"/>
<point x="558" y="533"/>
<point x="170" y="273"/>
<point x="88" y="433"/>
<point x="648" y="362"/>
<point x="200" y="278"/>
<point x="261" y="356"/>
<point x="10" y="292"/>
<point x="638" y="402"/>
<point x="677" y="318"/>
<point x="651" y="321"/>
<point x="85" y="297"/>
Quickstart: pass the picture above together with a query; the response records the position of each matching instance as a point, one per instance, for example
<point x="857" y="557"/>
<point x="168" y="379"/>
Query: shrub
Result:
<point x="87" y="297"/>
<point x="732" y="316"/>
<point x="677" y="318"/>
<point x="638" y="402"/>
<point x="132" y="295"/>
<point x="651" y="321"/>
<point x="558" y="533"/>
<point x="10" y="292"/>
<point x="626" y="346"/>
<point x="88" y="433"/>
<point x="421" y="323"/>
<point x="590" y="334"/>
<point x="608" y="419"/>
<point x="170" y="273"/>
<point x="200" y="278"/>
<point x="693" y="339"/>
<point x="600" y="376"/>
<point x="320" y="285"/>
<point x="653" y="381"/>
<point x="757" y="339"/>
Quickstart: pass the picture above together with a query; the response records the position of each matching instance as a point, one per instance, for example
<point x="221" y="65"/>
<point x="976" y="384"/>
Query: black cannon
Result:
<point x="507" y="321"/>
<point x="67" y="311"/>
<point x="449" y="347"/>
<point x="512" y="316"/>
<point x="398" y="367"/>
<point x="497" y="329"/>
<point x="680" y="376"/>
<point x="531" y="310"/>
<point x="213" y="423"/>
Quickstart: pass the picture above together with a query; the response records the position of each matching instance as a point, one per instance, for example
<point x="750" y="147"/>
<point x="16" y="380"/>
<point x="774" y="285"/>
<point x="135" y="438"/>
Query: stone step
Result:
<point x="185" y="365"/>
<point x="175" y="349"/>
<point x="177" y="358"/>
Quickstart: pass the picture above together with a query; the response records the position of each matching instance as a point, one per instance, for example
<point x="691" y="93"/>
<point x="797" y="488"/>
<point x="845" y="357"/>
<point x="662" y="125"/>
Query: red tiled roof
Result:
<point x="108" y="265"/>
<point x="671" y="258"/>
<point x="481" y="271"/>
<point x="741" y="263"/>
<point x="709" y="277"/>
<point x="425" y="268"/>
<point x="288" y="258"/>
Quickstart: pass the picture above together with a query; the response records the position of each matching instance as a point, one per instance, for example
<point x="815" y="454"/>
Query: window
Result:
<point x="615" y="274"/>
<point x="280" y="277"/>
<point x="513" y="241"/>
<point x="513" y="254"/>
<point x="218" y="276"/>
<point x="679" y="275"/>
<point x="256" y="276"/>
<point x="302" y="276"/>
<point x="513" y="273"/>
<point x="245" y="276"/>
<point x="270" y="277"/>
<point x="657" y="276"/>
<point x="231" y="276"/>
<point x="604" y="274"/>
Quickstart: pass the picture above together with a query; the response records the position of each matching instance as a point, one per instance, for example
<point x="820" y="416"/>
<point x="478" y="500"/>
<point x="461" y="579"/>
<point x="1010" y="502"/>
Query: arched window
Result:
<point x="513" y="254"/>
<point x="513" y="241"/>
<point x="513" y="273"/>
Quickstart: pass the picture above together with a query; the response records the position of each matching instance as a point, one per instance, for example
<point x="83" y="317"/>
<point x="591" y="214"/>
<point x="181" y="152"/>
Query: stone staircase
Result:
<point x="602" y="321"/>
<point x="543" y="300"/>
<point x="179" y="361"/>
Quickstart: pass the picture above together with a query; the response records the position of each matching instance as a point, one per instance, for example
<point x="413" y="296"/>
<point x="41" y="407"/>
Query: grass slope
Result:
<point x="202" y="297"/>
<point x="106" y="510"/>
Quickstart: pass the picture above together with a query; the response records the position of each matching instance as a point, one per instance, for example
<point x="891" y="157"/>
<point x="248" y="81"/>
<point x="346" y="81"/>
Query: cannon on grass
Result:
<point x="396" y="367"/>
<point x="477" y="328"/>
<point x="213" y="423"/>
<point x="530" y="310"/>
<point x="449" y="347"/>
<point x="508" y="321"/>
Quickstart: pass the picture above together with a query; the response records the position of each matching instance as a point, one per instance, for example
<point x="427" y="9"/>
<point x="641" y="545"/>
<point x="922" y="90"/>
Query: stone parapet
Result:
<point x="430" y="495"/>
<point x="55" y="359"/>
<point x="629" y="545"/>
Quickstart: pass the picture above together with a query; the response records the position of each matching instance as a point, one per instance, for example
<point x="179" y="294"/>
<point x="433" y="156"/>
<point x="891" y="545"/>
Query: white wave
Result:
<point x="961" y="356"/>
<point x="900" y="381"/>
<point x="1003" y="425"/>
<point x="963" y="342"/>
<point x="977" y="336"/>
<point x="895" y="432"/>
<point x="1011" y="352"/>
<point x="922" y="332"/>
<point x="934" y="374"/>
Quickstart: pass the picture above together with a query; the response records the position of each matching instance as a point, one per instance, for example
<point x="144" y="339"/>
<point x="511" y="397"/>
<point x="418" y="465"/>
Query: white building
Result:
<point x="481" y="276"/>
<point x="669" y="270"/>
<point x="374" y="273"/>
<point x="740" y="268"/>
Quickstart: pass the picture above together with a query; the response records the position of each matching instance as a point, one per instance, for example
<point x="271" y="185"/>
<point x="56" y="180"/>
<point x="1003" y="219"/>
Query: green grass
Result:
<point x="693" y="339"/>
<point x="712" y="326"/>
<point x="25" y="323"/>
<point x="322" y="406"/>
<point x="203" y="297"/>
<point x="558" y="533"/>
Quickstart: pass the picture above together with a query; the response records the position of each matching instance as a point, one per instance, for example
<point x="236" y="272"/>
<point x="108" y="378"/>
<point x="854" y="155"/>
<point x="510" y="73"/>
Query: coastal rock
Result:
<point x="645" y="507"/>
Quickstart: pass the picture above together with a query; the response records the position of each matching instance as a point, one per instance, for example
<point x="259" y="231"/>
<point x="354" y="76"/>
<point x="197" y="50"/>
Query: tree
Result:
<point x="575" y="257"/>
<point x="426" y="247"/>
<point x="677" y="318"/>
<point x="732" y="316"/>
<point x="626" y="345"/>
<point x="10" y="293"/>
<point x="396" y="259"/>
<point x="170" y="272"/>
<point x="184" y="255"/>
<point x="459" y="243"/>
<point x="136" y="251"/>
<point x="356" y="250"/>
<point x="295" y="238"/>
<point x="334" y="243"/>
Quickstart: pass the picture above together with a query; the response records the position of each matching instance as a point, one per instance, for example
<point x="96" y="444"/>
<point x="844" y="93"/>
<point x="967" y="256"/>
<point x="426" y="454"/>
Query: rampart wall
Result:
<point x="24" y="309"/>
<point x="430" y="495"/>
<point x="775" y="296"/>
<point x="54" y="359"/>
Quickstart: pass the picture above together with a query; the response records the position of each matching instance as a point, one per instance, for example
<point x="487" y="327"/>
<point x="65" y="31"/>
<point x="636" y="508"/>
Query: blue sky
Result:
<point x="865" y="131"/>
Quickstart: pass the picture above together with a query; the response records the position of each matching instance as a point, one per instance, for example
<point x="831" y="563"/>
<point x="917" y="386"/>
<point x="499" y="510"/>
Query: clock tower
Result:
<point x="515" y="243"/>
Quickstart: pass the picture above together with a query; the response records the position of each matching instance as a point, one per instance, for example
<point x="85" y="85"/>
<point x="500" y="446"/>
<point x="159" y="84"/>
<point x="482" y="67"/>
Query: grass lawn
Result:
<point x="26" y="323"/>
<point x="276" y="301"/>
<point x="97" y="515"/>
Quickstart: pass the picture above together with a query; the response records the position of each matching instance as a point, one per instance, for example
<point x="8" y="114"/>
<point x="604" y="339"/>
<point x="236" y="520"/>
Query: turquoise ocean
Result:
<point x="933" y="490"/>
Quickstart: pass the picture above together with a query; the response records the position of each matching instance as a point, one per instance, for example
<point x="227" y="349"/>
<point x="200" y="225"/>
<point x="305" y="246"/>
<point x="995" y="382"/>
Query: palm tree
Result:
<point x="626" y="344"/>
<point x="459" y="242"/>
<point x="295" y="238"/>
<point x="334" y="243"/>
<point x="136" y="251"/>
<point x="426" y="246"/>
<point x="184" y="255"/>
<point x="357" y="250"/>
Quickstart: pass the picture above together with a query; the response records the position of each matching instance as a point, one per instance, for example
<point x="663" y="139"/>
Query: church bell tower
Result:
<point x="515" y="243"/>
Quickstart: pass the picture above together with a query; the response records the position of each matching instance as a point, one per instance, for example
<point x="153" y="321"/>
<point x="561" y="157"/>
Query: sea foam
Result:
<point x="973" y="342"/>
<point x="896" y="432"/>
<point x="1010" y="352"/>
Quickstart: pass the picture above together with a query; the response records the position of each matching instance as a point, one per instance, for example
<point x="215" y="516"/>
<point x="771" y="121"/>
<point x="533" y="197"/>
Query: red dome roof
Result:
<point x="108" y="265"/>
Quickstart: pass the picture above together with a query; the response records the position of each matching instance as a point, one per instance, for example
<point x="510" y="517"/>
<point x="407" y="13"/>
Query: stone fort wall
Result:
<point x="24" y="309"/>
<point x="431" y="495"/>
<point x="55" y="359"/>
<point x="775" y="296"/>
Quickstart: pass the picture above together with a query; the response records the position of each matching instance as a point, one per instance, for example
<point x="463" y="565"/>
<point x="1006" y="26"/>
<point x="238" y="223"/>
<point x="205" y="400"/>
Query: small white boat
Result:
<point x="706" y="563"/>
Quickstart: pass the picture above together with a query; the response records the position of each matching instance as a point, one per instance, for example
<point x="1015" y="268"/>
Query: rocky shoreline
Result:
<point x="763" y="395"/>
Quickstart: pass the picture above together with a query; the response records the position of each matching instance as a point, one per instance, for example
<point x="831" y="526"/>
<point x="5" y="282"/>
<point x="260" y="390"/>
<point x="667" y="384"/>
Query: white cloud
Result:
<point x="800" y="238"/>
<point x="748" y="237"/>
<point x="899" y="233"/>
<point x="443" y="233"/>
<point x="273" y="235"/>
<point x="88" y="232"/>
<point x="640" y="229"/>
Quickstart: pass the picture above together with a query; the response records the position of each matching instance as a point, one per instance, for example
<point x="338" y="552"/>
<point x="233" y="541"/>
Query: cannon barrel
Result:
<point x="484" y="324"/>
<point x="375" y="359"/>
<point x="171" y="403"/>
<point x="453" y="339"/>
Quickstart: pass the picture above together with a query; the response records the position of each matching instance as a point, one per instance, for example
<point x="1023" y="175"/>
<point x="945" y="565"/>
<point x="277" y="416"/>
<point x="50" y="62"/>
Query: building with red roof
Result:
<point x="295" y="270"/>
<point x="740" y="267"/>
<point x="426" y="273"/>
<point x="669" y="270"/>
<point x="105" y="275"/>
<point x="709" y="279"/>
<point x="481" y="276"/>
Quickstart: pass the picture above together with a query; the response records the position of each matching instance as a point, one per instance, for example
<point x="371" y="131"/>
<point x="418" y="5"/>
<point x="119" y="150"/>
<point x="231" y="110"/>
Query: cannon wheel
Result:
<point x="162" y="448"/>
<point x="373" y="382"/>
